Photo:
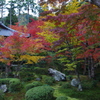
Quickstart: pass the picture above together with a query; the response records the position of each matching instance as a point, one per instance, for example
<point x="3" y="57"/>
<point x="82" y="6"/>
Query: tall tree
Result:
<point x="30" y="6"/>
<point x="11" y="19"/>
<point x="2" y="7"/>
<point x="18" y="47"/>
<point x="19" y="6"/>
<point x="77" y="30"/>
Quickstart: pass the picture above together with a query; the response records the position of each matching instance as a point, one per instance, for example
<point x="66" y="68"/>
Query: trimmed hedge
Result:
<point x="15" y="85"/>
<point x="5" y="80"/>
<point x="40" y="93"/>
<point x="32" y="85"/>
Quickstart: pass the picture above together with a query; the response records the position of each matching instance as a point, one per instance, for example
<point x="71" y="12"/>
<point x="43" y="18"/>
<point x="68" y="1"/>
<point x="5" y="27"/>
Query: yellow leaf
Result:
<point x="31" y="59"/>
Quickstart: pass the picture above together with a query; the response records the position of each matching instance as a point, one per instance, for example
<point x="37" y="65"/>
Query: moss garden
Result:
<point x="29" y="88"/>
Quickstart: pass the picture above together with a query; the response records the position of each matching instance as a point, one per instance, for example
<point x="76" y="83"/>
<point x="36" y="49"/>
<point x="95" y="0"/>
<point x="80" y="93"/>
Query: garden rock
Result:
<point x="3" y="88"/>
<point x="74" y="82"/>
<point x="38" y="79"/>
<point x="58" y="76"/>
<point x="79" y="87"/>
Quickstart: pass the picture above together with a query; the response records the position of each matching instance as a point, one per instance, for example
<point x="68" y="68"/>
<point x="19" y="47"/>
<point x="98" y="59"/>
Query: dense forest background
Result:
<point x="12" y="10"/>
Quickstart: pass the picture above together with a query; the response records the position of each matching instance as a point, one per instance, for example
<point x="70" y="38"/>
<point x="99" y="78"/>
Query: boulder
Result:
<point x="58" y="76"/>
<point x="77" y="84"/>
<point x="3" y="87"/>
<point x="74" y="82"/>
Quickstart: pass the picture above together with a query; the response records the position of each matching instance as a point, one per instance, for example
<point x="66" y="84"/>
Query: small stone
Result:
<point x="3" y="88"/>
<point x="74" y="82"/>
<point x="38" y="79"/>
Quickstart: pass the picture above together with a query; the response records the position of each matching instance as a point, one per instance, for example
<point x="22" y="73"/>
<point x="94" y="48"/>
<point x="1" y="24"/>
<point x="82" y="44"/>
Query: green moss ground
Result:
<point x="71" y="93"/>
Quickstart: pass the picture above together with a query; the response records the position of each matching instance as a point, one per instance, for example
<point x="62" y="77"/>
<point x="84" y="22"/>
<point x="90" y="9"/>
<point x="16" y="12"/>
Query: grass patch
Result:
<point x="72" y="93"/>
<point x="91" y="94"/>
<point x="58" y="92"/>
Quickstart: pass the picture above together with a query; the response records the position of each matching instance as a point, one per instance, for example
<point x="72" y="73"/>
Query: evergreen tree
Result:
<point x="11" y="19"/>
<point x="2" y="7"/>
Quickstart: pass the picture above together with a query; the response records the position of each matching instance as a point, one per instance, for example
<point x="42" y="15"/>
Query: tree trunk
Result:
<point x="10" y="18"/>
<point x="89" y="68"/>
<point x="16" y="71"/>
<point x="2" y="14"/>
<point x="85" y="66"/>
<point x="92" y="68"/>
<point x="28" y="12"/>
<point x="6" y="71"/>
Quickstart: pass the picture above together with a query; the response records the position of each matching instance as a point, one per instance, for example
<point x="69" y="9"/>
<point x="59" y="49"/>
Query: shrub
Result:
<point x="48" y="80"/>
<point x="5" y="81"/>
<point x="40" y="93"/>
<point x="32" y="85"/>
<point x="26" y="74"/>
<point x="61" y="98"/>
<point x="10" y="74"/>
<point x="66" y="85"/>
<point x="89" y="84"/>
<point x="2" y="95"/>
<point x="94" y="83"/>
<point x="42" y="71"/>
<point x="70" y="77"/>
<point x="15" y="85"/>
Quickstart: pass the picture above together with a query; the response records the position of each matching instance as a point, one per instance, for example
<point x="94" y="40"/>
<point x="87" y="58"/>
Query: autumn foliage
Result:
<point x="71" y="32"/>
<point x="79" y="36"/>
<point x="20" y="46"/>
